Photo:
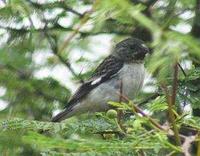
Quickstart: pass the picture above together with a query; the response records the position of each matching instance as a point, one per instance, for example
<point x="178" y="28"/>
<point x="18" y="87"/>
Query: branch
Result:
<point x="137" y="109"/>
<point x="60" y="4"/>
<point x="120" y="112"/>
<point x="69" y="67"/>
<point x="74" y="11"/>
<point x="26" y="76"/>
<point x="48" y="97"/>
<point x="84" y="19"/>
<point x="65" y="62"/>
<point x="32" y="29"/>
<point x="169" y="14"/>
<point x="22" y="74"/>
<point x="74" y="33"/>
<point x="171" y="102"/>
<point x="56" y="27"/>
<point x="155" y="95"/>
<point x="175" y="84"/>
<point x="85" y="34"/>
<point x="183" y="71"/>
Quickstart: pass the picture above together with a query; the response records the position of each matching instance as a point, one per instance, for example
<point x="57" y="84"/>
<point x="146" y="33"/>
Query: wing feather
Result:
<point x="104" y="72"/>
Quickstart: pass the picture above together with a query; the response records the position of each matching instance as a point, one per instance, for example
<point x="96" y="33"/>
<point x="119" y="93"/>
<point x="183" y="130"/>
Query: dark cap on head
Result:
<point x="130" y="50"/>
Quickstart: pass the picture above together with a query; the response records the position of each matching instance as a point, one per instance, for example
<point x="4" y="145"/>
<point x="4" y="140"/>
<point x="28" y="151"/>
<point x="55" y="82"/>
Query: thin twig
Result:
<point x="26" y="76"/>
<point x="155" y="95"/>
<point x="74" y="11"/>
<point x="74" y="33"/>
<point x="169" y="14"/>
<point x="107" y="132"/>
<point x="121" y="91"/>
<point x="65" y="62"/>
<point x="171" y="102"/>
<point x="183" y="71"/>
<point x="186" y="91"/>
<point x="137" y="109"/>
<point x="171" y="115"/>
<point x="60" y="4"/>
<point x="85" y="18"/>
<point x="120" y="112"/>
<point x="42" y="29"/>
<point x="175" y="84"/>
<point x="56" y="27"/>
<point x="54" y="47"/>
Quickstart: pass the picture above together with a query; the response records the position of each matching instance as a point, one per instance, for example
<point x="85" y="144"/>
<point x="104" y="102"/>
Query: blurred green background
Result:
<point x="48" y="47"/>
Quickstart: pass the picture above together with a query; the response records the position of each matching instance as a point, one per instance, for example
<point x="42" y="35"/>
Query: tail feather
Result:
<point x="61" y="116"/>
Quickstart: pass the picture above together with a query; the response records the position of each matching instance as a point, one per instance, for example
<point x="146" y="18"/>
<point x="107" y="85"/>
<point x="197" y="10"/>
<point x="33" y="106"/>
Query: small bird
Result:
<point x="123" y="67"/>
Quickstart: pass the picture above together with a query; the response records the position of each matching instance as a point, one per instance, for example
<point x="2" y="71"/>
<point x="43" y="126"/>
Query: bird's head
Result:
<point x="130" y="50"/>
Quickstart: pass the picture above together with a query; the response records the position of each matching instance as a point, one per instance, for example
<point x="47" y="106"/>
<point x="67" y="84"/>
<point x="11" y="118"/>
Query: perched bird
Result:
<point x="125" y="65"/>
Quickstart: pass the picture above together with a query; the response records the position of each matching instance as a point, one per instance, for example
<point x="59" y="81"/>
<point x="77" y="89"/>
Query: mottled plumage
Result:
<point x="104" y="71"/>
<point x="125" y="64"/>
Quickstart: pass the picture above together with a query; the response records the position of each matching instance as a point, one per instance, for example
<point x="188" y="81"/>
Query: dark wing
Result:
<point x="104" y="72"/>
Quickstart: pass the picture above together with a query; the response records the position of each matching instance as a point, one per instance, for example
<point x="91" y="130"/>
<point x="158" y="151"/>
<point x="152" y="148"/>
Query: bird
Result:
<point x="123" y="67"/>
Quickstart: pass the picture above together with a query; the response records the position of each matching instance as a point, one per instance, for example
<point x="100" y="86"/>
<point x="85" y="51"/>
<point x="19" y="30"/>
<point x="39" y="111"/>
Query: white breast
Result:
<point x="132" y="76"/>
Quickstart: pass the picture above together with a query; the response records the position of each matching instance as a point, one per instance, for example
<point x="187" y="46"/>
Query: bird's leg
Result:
<point x="120" y="113"/>
<point x="119" y="119"/>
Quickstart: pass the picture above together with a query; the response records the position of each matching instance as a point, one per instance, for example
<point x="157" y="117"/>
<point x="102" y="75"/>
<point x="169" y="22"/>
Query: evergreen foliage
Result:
<point x="36" y="36"/>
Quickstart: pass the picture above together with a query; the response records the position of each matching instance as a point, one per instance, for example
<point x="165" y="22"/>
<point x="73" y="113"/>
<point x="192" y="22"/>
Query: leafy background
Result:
<point x="48" y="47"/>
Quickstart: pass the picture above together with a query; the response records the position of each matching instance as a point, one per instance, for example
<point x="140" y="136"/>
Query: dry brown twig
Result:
<point x="120" y="112"/>
<point x="171" y="99"/>
<point x="137" y="109"/>
<point x="185" y="146"/>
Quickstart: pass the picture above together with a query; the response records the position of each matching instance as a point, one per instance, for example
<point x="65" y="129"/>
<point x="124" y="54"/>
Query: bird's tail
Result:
<point x="61" y="116"/>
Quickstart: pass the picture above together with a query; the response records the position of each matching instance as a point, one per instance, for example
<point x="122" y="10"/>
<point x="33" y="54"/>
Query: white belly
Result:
<point x="131" y="76"/>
